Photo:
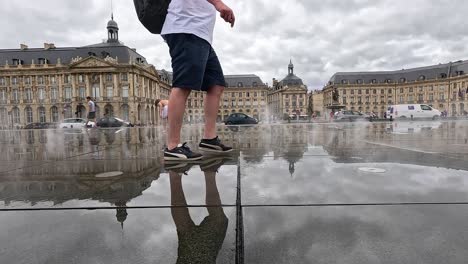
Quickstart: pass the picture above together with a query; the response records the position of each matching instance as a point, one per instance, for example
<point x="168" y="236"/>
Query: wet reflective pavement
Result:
<point x="299" y="193"/>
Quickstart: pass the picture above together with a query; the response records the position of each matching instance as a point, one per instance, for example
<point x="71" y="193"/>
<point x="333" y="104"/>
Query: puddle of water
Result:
<point x="372" y="170"/>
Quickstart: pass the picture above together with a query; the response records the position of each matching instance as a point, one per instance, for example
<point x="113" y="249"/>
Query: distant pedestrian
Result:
<point x="91" y="111"/>
<point x="163" y="106"/>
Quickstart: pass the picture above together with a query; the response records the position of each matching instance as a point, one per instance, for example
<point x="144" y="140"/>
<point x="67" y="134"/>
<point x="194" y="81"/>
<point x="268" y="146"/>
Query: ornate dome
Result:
<point x="291" y="79"/>
<point x="112" y="24"/>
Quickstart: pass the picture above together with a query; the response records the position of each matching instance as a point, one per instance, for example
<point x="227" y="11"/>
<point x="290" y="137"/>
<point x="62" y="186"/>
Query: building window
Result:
<point x="40" y="80"/>
<point x="420" y="97"/>
<point x="82" y="92"/>
<point x="402" y="98"/>
<point x="29" y="114"/>
<point x="3" y="95"/>
<point x="41" y="94"/>
<point x="374" y="81"/>
<point x="68" y="93"/>
<point x="53" y="80"/>
<point x="352" y="91"/>
<point x="411" y="89"/>
<point x="441" y="96"/>
<point x="14" y="80"/>
<point x="109" y="91"/>
<point x="125" y="91"/>
<point x="254" y="84"/>
<point x="16" y="62"/>
<point x="109" y="77"/>
<point x="248" y="94"/>
<point x="2" y="81"/>
<point x="54" y="114"/>
<point x="410" y="98"/>
<point x="53" y="93"/>
<point x="28" y="94"/>
<point x="15" y="94"/>
<point x="344" y="99"/>
<point x="240" y="84"/>
<point x="16" y="115"/>
<point x="402" y="90"/>
<point x="402" y="80"/>
<point x="359" y="91"/>
<point x="67" y="78"/>
<point x="389" y="91"/>
<point x="431" y="97"/>
<point x="81" y="78"/>
<point x="359" y="81"/>
<point x="124" y="77"/>
<point x="42" y="114"/>
<point x="96" y="92"/>
<point x="27" y="80"/>
<point x="422" y="78"/>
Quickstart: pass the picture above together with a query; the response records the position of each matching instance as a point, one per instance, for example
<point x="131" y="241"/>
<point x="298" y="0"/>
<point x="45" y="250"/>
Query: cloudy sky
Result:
<point x="321" y="36"/>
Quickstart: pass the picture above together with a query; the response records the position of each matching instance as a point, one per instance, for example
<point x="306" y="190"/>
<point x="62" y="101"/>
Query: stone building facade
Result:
<point x="244" y="94"/>
<point x="288" y="97"/>
<point x="443" y="86"/>
<point x="316" y="103"/>
<point x="50" y="84"/>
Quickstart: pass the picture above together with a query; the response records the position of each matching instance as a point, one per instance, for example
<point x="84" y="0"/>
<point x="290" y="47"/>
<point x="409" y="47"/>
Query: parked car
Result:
<point x="351" y="116"/>
<point x="412" y="111"/>
<point x="76" y="123"/>
<point x="40" y="125"/>
<point x="113" y="122"/>
<point x="240" y="119"/>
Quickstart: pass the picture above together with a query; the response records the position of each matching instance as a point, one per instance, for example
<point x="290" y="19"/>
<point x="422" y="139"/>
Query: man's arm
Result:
<point x="226" y="13"/>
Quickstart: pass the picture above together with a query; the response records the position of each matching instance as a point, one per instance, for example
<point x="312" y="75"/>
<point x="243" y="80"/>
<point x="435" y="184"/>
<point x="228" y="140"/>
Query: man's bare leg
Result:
<point x="176" y="110"/>
<point x="212" y="99"/>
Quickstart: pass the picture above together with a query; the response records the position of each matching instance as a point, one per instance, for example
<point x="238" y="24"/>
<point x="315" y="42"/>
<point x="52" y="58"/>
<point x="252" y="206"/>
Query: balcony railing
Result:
<point x="41" y="101"/>
<point x="53" y="101"/>
<point x="125" y="99"/>
<point x="79" y="99"/>
<point x="3" y="101"/>
<point x="14" y="101"/>
<point x="27" y="101"/>
<point x="67" y="100"/>
<point x="107" y="99"/>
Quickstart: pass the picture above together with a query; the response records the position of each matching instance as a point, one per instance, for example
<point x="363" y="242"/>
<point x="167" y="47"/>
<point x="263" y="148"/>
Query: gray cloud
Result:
<point x="322" y="37"/>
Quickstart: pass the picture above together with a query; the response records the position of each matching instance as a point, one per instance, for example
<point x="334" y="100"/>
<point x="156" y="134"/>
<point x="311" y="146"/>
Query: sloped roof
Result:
<point x="122" y="52"/>
<point x="415" y="74"/>
<point x="247" y="80"/>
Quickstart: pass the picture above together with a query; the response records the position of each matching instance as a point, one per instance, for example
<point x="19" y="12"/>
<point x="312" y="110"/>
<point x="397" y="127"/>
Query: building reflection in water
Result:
<point x="198" y="243"/>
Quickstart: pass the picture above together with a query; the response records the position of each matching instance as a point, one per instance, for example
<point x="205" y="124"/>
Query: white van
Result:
<point x="412" y="111"/>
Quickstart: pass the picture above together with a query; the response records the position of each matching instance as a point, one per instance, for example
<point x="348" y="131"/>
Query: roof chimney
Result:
<point x="48" y="46"/>
<point x="23" y="46"/>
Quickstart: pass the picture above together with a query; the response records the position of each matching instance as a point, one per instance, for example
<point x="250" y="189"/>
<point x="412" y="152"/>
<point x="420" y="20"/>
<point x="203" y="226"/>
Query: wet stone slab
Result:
<point x="360" y="235"/>
<point x="321" y="180"/>
<point x="178" y="235"/>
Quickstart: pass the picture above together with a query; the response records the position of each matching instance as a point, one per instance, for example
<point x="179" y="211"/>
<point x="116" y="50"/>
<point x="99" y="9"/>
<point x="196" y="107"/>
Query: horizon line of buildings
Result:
<point x="50" y="84"/>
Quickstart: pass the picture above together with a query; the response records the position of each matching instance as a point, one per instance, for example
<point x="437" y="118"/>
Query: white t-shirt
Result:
<point x="196" y="17"/>
<point x="92" y="106"/>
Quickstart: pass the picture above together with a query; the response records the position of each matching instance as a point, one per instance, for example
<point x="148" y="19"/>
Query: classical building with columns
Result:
<point x="443" y="86"/>
<point x="288" y="97"/>
<point x="50" y="84"/>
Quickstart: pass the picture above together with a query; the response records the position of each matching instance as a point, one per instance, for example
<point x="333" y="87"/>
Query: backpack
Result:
<point x="152" y="13"/>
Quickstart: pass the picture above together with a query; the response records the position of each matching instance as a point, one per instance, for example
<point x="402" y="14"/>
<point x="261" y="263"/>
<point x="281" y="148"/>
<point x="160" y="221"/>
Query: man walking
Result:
<point x="91" y="110"/>
<point x="188" y="31"/>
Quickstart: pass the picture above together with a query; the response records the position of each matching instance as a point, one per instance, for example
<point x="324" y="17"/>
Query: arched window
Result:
<point x="125" y="112"/>
<point x="359" y="81"/>
<point x="402" y="80"/>
<point x="443" y="75"/>
<point x="67" y="112"/>
<point x="54" y="114"/>
<point x="422" y="78"/>
<point x="374" y="81"/>
<point x="344" y="81"/>
<point x="109" y="111"/>
<point x="41" y="114"/>
<point x="28" y="114"/>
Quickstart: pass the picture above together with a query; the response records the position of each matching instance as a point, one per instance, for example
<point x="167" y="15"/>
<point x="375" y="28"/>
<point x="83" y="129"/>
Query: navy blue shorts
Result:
<point x="195" y="65"/>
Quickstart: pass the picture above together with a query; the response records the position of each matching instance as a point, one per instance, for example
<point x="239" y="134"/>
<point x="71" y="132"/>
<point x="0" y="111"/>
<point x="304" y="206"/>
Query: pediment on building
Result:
<point x="90" y="62"/>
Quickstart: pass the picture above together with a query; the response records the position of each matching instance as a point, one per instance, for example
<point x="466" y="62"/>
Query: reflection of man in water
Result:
<point x="202" y="243"/>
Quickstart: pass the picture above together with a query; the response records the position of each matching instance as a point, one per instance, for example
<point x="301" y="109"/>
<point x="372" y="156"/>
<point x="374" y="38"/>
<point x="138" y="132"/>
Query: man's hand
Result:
<point x="226" y="13"/>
